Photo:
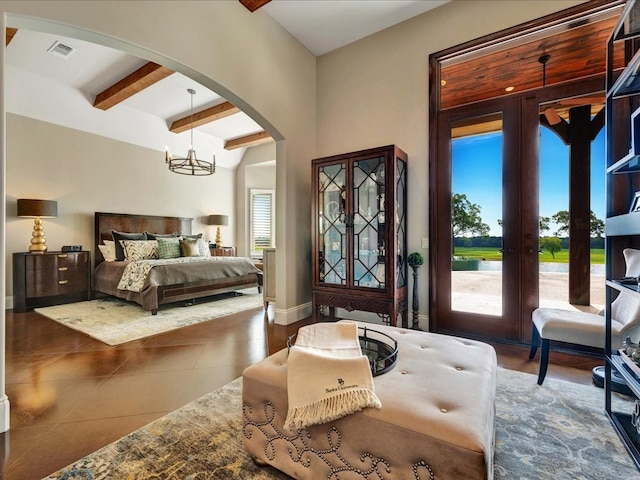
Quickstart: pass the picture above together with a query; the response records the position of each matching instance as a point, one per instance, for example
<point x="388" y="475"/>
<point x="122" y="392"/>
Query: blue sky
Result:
<point x="477" y="172"/>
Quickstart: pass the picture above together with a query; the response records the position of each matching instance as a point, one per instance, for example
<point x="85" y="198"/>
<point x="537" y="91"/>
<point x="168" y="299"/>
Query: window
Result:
<point x="262" y="221"/>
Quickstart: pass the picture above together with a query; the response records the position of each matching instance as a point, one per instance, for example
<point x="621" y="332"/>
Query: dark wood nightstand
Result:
<point x="223" y="251"/>
<point x="51" y="278"/>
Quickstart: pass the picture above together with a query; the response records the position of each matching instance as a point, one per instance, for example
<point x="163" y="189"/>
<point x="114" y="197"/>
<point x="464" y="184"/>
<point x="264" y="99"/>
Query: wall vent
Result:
<point x="60" y="49"/>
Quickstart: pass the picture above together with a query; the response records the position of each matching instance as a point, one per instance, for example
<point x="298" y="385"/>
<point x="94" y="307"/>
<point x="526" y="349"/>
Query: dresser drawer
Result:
<point x="59" y="281"/>
<point x="50" y="278"/>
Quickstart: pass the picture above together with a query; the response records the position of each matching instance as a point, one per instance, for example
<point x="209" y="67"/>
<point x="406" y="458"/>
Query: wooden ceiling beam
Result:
<point x="205" y="116"/>
<point x="253" y="5"/>
<point x="248" y="141"/>
<point x="10" y="33"/>
<point x="142" y="78"/>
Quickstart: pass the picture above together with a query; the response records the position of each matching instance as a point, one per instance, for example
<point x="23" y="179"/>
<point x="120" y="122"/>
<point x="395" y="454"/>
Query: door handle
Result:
<point x="507" y="250"/>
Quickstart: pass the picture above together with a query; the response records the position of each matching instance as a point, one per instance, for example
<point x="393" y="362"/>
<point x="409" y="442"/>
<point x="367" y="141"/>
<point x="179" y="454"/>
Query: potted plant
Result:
<point x="415" y="260"/>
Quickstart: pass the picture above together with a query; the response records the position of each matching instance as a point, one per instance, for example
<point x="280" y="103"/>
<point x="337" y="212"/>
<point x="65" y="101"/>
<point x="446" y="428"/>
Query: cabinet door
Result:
<point x="369" y="245"/>
<point x="332" y="233"/>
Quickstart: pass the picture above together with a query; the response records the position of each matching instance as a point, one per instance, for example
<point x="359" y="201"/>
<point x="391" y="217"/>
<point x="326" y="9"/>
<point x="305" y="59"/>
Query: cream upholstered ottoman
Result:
<point x="436" y="421"/>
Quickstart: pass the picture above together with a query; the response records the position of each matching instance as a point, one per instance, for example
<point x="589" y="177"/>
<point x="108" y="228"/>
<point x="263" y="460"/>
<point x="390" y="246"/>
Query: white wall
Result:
<point x="375" y="92"/>
<point x="86" y="173"/>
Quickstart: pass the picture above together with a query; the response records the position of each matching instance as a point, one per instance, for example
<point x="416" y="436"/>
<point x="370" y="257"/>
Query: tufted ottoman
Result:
<point x="436" y="420"/>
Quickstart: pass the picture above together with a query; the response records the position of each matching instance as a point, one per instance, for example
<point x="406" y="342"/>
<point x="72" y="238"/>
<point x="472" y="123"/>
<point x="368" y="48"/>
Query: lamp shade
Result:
<point x="37" y="208"/>
<point x="219" y="220"/>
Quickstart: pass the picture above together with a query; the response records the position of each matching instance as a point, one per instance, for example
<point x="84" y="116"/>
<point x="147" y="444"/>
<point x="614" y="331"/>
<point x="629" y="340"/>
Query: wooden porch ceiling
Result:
<point x="577" y="50"/>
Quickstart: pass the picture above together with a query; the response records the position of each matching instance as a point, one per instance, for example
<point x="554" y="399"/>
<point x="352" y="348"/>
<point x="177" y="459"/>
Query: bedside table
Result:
<point x="50" y="278"/>
<point x="223" y="251"/>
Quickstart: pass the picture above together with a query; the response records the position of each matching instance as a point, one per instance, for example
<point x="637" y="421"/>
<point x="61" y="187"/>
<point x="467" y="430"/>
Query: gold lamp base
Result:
<point x="219" y="238"/>
<point x="38" y="240"/>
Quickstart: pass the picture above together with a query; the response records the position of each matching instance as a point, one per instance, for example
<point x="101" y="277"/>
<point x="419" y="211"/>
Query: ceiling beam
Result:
<point x="248" y="141"/>
<point x="142" y="78"/>
<point x="253" y="5"/>
<point x="205" y="116"/>
<point x="11" y="32"/>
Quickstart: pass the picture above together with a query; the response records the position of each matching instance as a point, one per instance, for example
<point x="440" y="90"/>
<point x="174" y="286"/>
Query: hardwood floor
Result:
<point x="71" y="395"/>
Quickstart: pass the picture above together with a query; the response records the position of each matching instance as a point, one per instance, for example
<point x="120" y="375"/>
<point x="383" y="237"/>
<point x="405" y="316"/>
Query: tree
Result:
<point x="543" y="223"/>
<point x="551" y="244"/>
<point x="465" y="217"/>
<point x="596" y="226"/>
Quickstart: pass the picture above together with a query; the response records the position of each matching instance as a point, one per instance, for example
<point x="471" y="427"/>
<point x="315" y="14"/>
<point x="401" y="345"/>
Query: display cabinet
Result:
<point x="359" y="227"/>
<point x="622" y="226"/>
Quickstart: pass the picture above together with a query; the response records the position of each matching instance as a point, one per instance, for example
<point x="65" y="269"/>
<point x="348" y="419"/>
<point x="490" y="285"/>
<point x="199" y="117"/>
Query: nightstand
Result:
<point x="223" y="251"/>
<point x="51" y="278"/>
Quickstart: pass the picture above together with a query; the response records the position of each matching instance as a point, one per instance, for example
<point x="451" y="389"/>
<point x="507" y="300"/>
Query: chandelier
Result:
<point x="190" y="165"/>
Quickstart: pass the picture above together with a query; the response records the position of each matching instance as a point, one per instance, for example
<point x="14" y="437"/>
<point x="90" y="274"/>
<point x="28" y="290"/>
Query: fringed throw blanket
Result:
<point x="327" y="375"/>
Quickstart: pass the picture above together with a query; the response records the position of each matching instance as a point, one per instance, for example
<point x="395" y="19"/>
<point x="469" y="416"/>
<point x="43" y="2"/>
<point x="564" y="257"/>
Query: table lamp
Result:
<point x="218" y="220"/>
<point x="37" y="209"/>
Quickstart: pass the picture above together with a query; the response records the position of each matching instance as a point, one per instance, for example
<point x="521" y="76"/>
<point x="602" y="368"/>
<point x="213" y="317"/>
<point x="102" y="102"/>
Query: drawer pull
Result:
<point x="63" y="269"/>
<point x="64" y="255"/>
<point x="63" y="282"/>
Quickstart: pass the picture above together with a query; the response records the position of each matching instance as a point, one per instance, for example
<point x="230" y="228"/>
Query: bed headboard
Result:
<point x="125" y="222"/>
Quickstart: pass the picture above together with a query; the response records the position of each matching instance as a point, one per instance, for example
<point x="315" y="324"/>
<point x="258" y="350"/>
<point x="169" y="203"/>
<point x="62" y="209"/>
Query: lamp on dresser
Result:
<point x="218" y="221"/>
<point x="37" y="209"/>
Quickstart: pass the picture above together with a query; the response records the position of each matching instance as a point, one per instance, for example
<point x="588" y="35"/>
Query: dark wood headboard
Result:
<point x="125" y="222"/>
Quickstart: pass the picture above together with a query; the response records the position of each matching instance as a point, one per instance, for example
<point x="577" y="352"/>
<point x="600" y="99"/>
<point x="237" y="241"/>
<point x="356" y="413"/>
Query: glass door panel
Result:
<point x="369" y="247"/>
<point x="476" y="214"/>
<point x="332" y="224"/>
<point x="401" y="234"/>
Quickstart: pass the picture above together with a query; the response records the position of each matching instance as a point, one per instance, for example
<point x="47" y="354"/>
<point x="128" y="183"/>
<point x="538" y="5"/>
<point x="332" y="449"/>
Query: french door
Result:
<point x="484" y="183"/>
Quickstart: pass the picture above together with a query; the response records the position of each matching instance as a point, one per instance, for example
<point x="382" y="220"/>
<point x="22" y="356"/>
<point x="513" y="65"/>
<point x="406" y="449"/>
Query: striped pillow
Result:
<point x="140" y="249"/>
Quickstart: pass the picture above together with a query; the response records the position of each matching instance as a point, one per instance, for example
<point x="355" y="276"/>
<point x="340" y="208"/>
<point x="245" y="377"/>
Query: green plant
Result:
<point x="415" y="259"/>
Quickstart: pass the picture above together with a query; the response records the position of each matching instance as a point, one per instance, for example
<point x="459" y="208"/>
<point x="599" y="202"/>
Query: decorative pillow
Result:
<point x="196" y="236"/>
<point x="118" y="236"/>
<point x="189" y="247"/>
<point x="626" y="307"/>
<point x="140" y="249"/>
<point x="155" y="236"/>
<point x="168" y="247"/>
<point x="203" y="248"/>
<point x="108" y="251"/>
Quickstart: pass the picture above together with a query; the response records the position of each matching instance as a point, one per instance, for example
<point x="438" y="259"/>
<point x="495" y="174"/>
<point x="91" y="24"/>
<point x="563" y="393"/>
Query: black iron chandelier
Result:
<point x="190" y="165"/>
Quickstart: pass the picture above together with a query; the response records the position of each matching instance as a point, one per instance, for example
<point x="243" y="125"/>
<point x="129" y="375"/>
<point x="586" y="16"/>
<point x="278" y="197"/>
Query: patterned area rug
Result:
<point x="558" y="431"/>
<point x="115" y="321"/>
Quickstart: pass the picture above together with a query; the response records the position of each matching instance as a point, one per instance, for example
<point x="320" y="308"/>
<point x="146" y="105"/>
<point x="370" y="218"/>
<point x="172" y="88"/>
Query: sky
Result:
<point x="477" y="172"/>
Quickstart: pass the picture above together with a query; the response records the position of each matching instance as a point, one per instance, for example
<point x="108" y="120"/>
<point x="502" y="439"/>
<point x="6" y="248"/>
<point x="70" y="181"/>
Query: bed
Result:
<point x="180" y="282"/>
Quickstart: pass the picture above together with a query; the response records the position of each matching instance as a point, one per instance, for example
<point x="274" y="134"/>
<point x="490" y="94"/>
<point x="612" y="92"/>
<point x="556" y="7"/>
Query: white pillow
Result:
<point x="203" y="248"/>
<point x="108" y="251"/>
<point x="626" y="306"/>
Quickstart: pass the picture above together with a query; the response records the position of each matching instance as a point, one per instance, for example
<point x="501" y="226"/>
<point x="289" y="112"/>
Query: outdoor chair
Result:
<point x="581" y="328"/>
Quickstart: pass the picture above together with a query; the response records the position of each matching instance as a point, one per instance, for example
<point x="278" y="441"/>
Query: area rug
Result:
<point x="556" y="431"/>
<point x="115" y="321"/>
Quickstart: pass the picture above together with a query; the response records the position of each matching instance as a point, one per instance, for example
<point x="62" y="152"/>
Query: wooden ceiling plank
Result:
<point x="205" y="116"/>
<point x="142" y="78"/>
<point x="248" y="141"/>
<point x="253" y="5"/>
<point x="10" y="33"/>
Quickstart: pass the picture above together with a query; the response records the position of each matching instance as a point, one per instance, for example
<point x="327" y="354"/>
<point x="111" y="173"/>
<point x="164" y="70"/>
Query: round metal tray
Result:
<point x="380" y="349"/>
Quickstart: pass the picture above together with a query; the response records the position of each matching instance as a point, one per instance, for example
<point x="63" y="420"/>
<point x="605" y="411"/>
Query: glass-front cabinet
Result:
<point x="359" y="233"/>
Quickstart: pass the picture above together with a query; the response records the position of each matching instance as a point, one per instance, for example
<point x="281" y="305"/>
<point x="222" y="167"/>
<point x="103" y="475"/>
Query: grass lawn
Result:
<point x="597" y="255"/>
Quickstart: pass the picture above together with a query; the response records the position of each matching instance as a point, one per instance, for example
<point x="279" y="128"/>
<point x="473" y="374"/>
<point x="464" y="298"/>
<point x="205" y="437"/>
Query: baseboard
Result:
<point x="292" y="315"/>
<point x="4" y="413"/>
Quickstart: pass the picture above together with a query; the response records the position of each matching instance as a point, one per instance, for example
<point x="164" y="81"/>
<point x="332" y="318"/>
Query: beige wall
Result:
<point x="375" y="92"/>
<point x="256" y="170"/>
<point x="247" y="58"/>
<point x="86" y="173"/>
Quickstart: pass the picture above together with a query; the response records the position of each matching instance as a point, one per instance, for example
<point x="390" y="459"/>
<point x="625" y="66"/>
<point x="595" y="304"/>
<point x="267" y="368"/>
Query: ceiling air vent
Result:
<point x="60" y="49"/>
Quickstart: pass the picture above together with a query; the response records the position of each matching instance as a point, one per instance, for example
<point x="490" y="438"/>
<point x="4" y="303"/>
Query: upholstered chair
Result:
<point x="588" y="329"/>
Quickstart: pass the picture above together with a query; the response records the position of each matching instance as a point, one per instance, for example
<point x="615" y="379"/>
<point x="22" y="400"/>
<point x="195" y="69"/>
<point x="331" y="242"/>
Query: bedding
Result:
<point x="159" y="272"/>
